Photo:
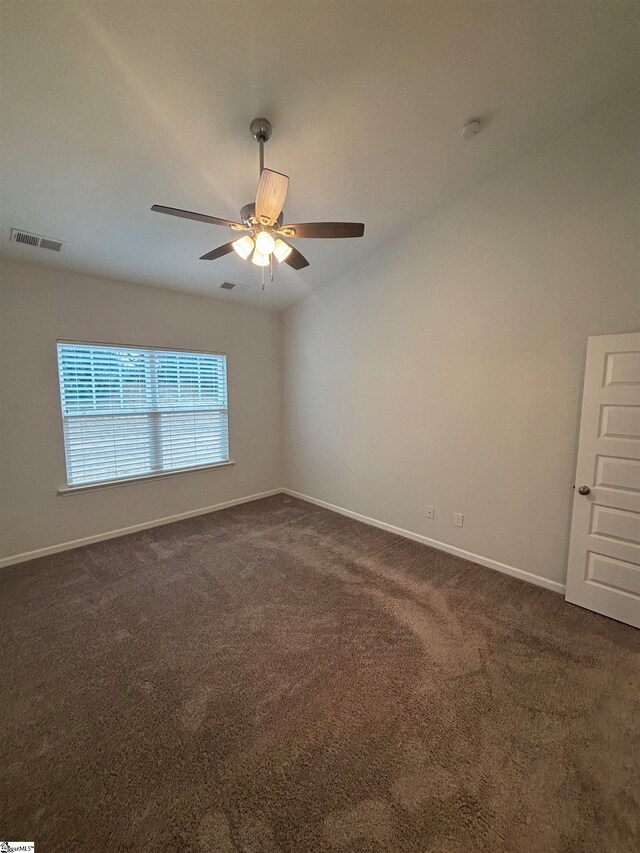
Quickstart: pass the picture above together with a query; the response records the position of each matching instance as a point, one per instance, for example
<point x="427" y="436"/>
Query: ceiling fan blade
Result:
<point x="270" y="196"/>
<point x="323" y="229"/>
<point x="296" y="259"/>
<point x="199" y="217"/>
<point x="218" y="253"/>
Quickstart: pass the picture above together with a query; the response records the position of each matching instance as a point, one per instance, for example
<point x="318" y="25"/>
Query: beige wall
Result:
<point x="447" y="369"/>
<point x="38" y="306"/>
<point x="444" y="370"/>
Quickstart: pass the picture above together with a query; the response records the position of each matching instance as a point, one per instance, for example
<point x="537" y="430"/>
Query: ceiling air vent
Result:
<point x="27" y="239"/>
<point x="228" y="285"/>
<point x="54" y="245"/>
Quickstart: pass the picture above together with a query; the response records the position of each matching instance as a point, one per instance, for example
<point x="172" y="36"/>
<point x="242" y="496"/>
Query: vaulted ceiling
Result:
<point x="110" y="107"/>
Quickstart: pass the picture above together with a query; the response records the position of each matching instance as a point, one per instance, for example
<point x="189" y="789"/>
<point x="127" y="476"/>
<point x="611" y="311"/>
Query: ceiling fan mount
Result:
<point x="263" y="219"/>
<point x="261" y="129"/>
<point x="248" y="216"/>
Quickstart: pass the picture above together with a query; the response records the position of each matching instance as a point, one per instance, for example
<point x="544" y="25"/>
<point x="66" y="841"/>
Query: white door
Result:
<point x="604" y="555"/>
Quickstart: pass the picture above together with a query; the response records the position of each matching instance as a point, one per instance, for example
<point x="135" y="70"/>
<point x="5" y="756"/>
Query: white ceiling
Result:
<point x="110" y="107"/>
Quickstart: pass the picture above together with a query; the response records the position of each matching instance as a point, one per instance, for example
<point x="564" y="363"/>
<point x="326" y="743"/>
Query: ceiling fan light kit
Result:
<point x="265" y="242"/>
<point x="263" y="220"/>
<point x="282" y="250"/>
<point x="260" y="260"/>
<point x="244" y="246"/>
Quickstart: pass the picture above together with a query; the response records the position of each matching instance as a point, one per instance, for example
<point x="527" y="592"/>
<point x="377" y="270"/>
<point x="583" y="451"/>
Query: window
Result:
<point x="131" y="412"/>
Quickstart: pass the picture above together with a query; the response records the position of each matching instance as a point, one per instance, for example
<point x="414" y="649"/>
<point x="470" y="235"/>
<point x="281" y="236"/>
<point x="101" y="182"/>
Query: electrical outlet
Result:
<point x="242" y="478"/>
<point x="429" y="512"/>
<point x="458" y="519"/>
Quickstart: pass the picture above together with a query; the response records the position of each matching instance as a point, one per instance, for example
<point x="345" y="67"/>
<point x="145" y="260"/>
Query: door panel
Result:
<point x="622" y="368"/>
<point x="617" y="473"/>
<point x="614" y="573"/>
<point x="615" y="523"/>
<point x="604" y="555"/>
<point x="620" y="422"/>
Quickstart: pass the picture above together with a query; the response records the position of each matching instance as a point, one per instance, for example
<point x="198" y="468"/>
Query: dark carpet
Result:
<point x="275" y="677"/>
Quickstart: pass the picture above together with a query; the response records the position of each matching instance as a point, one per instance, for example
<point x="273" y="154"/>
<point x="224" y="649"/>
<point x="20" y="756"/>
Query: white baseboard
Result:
<point x="554" y="586"/>
<point x="538" y="580"/>
<point x="123" y="531"/>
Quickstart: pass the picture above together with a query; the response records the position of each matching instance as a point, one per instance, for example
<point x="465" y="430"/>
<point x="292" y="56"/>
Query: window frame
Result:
<point x="70" y="489"/>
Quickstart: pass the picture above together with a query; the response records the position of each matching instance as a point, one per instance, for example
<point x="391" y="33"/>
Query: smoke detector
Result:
<point x="470" y="129"/>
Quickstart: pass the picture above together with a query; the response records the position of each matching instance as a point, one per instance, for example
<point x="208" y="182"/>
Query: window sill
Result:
<point x="125" y="481"/>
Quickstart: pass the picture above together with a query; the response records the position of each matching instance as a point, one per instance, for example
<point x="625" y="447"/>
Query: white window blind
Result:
<point x="128" y="411"/>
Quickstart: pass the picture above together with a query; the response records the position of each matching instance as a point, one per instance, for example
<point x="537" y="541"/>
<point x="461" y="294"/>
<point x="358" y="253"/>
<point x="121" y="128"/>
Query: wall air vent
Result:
<point x="38" y="240"/>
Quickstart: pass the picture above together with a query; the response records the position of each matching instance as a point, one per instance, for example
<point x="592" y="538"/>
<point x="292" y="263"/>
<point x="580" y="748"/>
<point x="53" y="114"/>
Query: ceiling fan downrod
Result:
<point x="261" y="130"/>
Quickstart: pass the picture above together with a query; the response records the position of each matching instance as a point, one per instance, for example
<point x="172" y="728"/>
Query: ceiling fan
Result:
<point x="263" y="220"/>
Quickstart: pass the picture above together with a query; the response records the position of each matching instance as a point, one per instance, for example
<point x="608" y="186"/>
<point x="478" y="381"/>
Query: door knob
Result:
<point x="584" y="490"/>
